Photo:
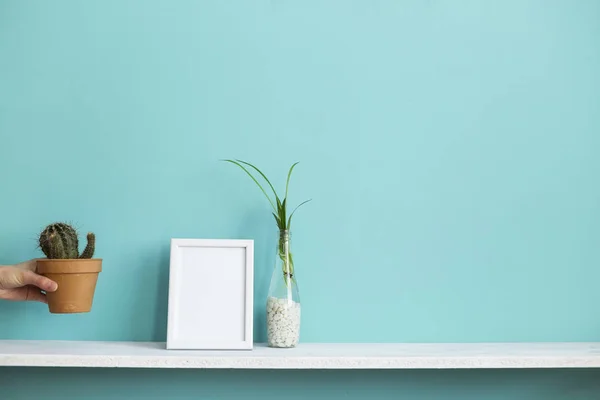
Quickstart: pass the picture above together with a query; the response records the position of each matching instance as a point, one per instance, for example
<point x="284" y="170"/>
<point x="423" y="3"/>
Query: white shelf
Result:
<point x="305" y="356"/>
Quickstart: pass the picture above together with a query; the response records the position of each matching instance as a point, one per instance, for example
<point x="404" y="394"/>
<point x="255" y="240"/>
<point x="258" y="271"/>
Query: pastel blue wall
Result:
<point x="450" y="148"/>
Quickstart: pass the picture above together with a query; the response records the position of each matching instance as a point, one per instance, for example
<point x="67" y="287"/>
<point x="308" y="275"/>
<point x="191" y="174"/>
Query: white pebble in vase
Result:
<point x="283" y="322"/>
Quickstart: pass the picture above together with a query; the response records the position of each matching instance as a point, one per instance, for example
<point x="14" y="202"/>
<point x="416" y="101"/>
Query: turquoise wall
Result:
<point x="450" y="148"/>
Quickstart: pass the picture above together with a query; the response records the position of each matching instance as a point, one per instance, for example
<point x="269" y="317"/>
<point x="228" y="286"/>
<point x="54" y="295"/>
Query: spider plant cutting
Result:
<point x="280" y="213"/>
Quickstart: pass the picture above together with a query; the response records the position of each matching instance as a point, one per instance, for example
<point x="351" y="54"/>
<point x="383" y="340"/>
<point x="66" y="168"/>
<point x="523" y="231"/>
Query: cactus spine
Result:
<point x="60" y="241"/>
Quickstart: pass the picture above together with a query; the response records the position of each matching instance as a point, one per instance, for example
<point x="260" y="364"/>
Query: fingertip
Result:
<point x="51" y="286"/>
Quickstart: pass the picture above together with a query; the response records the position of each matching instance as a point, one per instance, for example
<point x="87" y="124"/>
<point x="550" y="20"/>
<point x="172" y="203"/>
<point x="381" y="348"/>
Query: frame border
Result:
<point x="176" y="245"/>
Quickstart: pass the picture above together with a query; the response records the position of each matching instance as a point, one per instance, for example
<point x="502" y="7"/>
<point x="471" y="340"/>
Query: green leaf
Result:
<point x="254" y="179"/>
<point x="291" y="260"/>
<point x="282" y="212"/>
<point x="287" y="183"/>
<point x="263" y="175"/>
<point x="276" y="219"/>
<point x="292" y="214"/>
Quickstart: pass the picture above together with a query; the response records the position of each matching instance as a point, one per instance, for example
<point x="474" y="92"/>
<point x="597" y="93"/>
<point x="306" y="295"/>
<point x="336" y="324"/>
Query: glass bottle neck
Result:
<point x="285" y="235"/>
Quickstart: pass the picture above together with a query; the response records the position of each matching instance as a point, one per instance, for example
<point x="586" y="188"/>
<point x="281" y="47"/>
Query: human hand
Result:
<point x="20" y="282"/>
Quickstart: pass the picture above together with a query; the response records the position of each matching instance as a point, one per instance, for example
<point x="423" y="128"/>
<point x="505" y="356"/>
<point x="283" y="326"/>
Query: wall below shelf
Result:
<point x="17" y="353"/>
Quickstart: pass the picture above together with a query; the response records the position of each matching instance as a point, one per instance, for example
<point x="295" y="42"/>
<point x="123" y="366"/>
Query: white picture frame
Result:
<point x="211" y="294"/>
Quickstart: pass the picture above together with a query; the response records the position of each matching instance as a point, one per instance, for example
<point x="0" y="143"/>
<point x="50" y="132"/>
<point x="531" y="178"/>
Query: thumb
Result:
<point x="31" y="278"/>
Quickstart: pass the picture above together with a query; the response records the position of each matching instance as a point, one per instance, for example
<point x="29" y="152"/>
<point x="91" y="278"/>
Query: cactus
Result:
<point x="60" y="241"/>
<point x="88" y="252"/>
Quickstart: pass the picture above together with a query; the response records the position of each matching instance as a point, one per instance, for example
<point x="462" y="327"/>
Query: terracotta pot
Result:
<point x="76" y="279"/>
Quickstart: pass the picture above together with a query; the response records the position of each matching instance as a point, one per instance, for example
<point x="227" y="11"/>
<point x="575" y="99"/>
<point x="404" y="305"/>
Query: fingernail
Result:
<point x="52" y="286"/>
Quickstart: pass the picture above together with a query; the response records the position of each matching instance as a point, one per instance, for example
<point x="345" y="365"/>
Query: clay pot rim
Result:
<point x="68" y="259"/>
<point x="69" y="266"/>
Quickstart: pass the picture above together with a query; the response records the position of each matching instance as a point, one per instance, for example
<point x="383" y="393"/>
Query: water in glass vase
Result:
<point x="283" y="302"/>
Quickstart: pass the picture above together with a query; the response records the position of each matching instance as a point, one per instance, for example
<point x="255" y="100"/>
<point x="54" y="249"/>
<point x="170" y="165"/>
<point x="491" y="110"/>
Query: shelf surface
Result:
<point x="305" y="356"/>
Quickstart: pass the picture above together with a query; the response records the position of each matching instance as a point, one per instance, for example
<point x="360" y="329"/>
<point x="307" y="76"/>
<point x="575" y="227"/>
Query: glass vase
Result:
<point x="283" y="301"/>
